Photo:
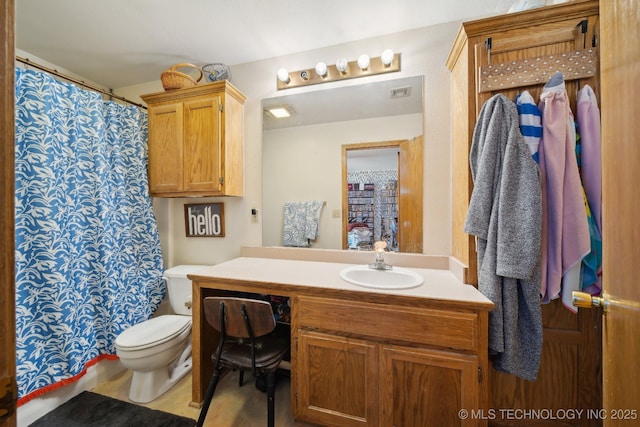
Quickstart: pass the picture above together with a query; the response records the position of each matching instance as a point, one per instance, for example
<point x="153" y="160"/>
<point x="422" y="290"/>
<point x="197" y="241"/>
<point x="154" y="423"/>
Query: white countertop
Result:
<point x="438" y="284"/>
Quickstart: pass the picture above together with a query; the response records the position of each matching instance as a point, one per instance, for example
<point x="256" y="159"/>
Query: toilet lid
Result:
<point x="153" y="332"/>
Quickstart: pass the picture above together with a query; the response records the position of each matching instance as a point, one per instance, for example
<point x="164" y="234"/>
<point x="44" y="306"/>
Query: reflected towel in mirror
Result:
<point x="301" y="222"/>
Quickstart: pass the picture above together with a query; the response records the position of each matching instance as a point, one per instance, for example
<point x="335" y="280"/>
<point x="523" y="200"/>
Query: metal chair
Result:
<point x="249" y="339"/>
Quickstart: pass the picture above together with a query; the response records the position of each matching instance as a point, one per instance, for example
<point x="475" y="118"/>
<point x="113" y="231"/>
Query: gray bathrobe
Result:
<point x="505" y="213"/>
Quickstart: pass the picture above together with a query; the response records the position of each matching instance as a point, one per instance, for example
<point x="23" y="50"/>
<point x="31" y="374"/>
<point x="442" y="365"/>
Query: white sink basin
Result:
<point x="396" y="278"/>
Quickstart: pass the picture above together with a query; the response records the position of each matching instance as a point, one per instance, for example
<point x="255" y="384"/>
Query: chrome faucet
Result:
<point x="379" y="264"/>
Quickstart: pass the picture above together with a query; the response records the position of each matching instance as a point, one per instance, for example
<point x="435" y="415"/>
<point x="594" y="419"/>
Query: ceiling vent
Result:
<point x="400" y="92"/>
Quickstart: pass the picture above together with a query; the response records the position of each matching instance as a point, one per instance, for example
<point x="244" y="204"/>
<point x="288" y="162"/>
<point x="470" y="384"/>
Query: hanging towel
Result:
<point x="588" y="118"/>
<point x="590" y="272"/>
<point x="530" y="122"/>
<point x="566" y="237"/>
<point x="301" y="222"/>
<point x="590" y="164"/>
<point x="505" y="213"/>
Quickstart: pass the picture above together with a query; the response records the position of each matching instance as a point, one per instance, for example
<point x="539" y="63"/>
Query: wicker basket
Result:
<point x="172" y="79"/>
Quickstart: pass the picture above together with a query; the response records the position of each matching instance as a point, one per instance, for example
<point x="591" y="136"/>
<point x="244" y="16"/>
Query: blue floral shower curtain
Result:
<point x="88" y="259"/>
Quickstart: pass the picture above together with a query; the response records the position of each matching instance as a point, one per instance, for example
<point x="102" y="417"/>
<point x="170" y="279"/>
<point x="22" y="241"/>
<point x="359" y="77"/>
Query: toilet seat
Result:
<point x="153" y="332"/>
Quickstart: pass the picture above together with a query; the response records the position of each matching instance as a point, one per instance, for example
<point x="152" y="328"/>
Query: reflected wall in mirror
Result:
<point x="302" y="155"/>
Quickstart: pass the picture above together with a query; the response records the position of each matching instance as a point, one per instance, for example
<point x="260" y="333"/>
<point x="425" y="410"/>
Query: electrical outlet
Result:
<point x="336" y="213"/>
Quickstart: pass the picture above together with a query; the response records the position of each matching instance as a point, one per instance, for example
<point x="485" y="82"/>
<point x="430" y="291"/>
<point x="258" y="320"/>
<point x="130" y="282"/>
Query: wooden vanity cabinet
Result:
<point x="196" y="139"/>
<point x="368" y="364"/>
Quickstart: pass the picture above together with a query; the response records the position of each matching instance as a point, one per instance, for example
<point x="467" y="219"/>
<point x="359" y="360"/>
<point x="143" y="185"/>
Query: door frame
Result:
<point x="7" y="222"/>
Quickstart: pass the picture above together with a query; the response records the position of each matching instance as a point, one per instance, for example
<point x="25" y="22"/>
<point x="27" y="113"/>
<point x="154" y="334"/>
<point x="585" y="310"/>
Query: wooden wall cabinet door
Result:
<point x="203" y="145"/>
<point x="338" y="380"/>
<point x="424" y="387"/>
<point x="196" y="141"/>
<point x="165" y="148"/>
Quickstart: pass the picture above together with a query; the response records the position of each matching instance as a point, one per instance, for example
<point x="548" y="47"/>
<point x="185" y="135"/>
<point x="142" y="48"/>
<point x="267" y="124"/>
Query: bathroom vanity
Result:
<point x="364" y="356"/>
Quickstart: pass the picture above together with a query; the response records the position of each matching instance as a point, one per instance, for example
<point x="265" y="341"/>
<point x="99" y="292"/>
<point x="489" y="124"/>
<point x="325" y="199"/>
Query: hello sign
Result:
<point x="204" y="220"/>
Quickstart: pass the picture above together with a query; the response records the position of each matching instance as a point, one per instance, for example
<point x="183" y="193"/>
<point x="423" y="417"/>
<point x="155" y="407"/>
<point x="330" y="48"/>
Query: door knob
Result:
<point x="585" y="300"/>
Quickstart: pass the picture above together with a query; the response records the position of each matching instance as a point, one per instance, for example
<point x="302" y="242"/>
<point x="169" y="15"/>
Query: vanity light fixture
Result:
<point x="321" y="69"/>
<point x="283" y="75"/>
<point x="363" y="62"/>
<point x="387" y="57"/>
<point x="342" y="65"/>
<point x="343" y="69"/>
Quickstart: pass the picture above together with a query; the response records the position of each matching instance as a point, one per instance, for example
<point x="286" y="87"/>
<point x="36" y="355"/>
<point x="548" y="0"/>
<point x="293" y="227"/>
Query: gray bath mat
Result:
<point x="94" y="410"/>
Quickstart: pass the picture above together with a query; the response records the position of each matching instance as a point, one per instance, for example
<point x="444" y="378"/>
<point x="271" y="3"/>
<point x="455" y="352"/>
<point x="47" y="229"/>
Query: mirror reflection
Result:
<point x="305" y="156"/>
<point x="372" y="197"/>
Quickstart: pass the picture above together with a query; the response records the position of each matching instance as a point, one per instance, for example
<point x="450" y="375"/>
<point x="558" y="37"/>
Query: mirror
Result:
<point x="303" y="154"/>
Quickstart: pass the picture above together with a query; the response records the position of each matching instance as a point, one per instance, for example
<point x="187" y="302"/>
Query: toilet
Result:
<point x="158" y="350"/>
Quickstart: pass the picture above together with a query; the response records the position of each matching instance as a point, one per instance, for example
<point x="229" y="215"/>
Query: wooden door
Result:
<point x="346" y="394"/>
<point x="165" y="148"/>
<point x="570" y="370"/>
<point x="410" y="195"/>
<point x="8" y="388"/>
<point x="410" y="190"/>
<point x="202" y="145"/>
<point x="620" y="69"/>
<point x="422" y="388"/>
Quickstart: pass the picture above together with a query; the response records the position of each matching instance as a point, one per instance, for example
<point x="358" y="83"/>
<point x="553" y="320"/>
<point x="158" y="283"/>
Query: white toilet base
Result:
<point x="148" y="386"/>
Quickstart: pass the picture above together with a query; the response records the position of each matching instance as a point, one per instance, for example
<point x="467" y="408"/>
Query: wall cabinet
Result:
<point x="196" y="140"/>
<point x="367" y="364"/>
<point x="571" y="352"/>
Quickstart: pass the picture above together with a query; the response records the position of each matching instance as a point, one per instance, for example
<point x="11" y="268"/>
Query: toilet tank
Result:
<point x="179" y="287"/>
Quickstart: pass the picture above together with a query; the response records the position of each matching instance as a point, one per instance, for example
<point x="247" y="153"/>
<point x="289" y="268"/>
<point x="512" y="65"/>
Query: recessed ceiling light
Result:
<point x="280" y="111"/>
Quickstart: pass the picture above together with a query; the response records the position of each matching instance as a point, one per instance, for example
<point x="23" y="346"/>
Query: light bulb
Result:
<point x="363" y="62"/>
<point x="342" y="65"/>
<point x="283" y="75"/>
<point x="387" y="57"/>
<point x="321" y="69"/>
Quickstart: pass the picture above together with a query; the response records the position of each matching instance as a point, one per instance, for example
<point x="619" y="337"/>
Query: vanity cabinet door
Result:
<point x="336" y="377"/>
<point x="423" y="387"/>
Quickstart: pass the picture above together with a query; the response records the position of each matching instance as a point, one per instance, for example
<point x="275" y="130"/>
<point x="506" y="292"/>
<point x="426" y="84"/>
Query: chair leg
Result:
<point x="208" y="396"/>
<point x="271" y="391"/>
<point x="241" y="381"/>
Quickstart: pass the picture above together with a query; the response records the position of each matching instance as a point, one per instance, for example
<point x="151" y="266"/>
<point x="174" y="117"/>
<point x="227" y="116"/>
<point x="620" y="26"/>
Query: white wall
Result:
<point x="424" y="52"/>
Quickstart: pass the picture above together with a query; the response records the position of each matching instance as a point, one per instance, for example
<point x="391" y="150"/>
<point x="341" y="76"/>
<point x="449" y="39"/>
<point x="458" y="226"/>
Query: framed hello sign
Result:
<point x="204" y="220"/>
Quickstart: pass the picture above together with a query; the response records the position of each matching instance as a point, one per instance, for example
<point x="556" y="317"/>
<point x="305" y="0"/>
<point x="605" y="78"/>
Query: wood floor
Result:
<point x="232" y="406"/>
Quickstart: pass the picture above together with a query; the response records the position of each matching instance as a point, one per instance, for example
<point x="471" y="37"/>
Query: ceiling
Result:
<point x="118" y="43"/>
<point x="355" y="102"/>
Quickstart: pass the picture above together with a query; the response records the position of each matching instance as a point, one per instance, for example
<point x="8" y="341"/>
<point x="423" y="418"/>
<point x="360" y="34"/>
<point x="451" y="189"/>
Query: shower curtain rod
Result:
<point x="56" y="73"/>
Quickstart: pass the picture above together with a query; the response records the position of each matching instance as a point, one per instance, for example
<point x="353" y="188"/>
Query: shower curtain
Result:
<point x="88" y="259"/>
